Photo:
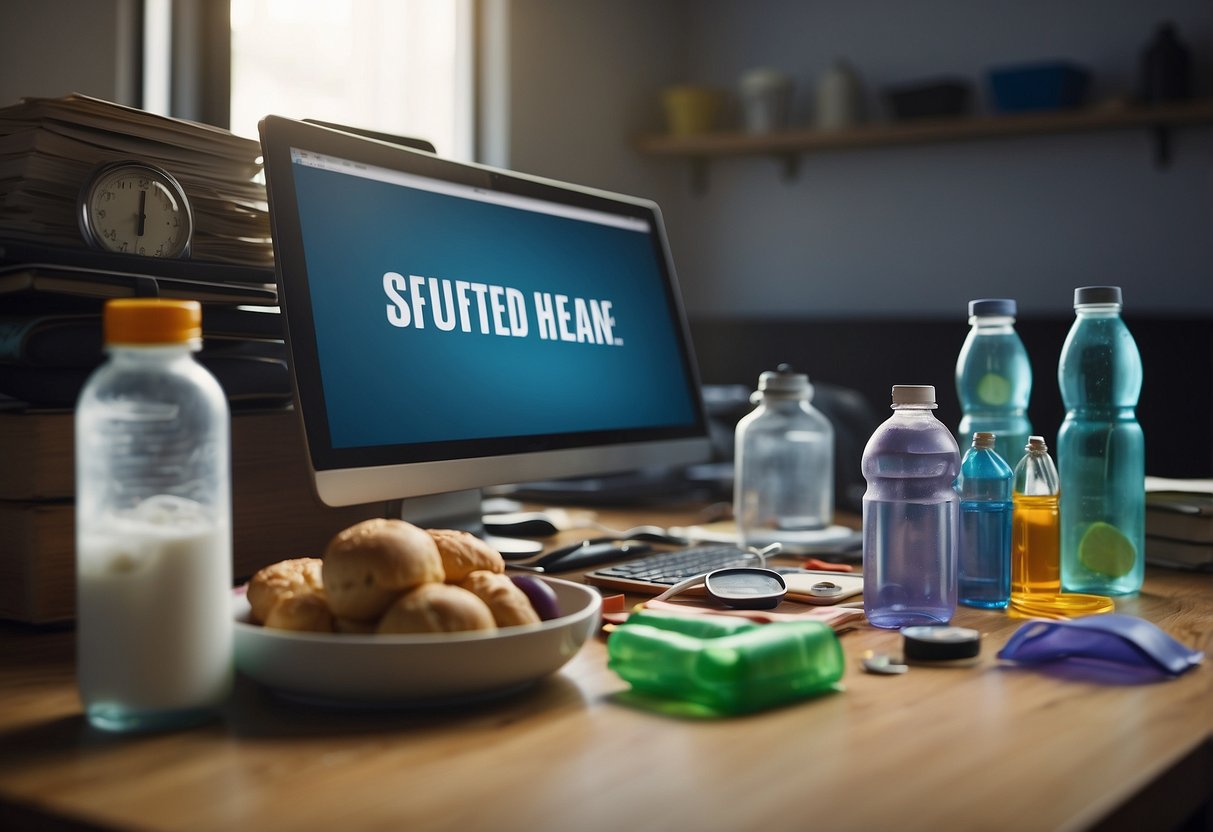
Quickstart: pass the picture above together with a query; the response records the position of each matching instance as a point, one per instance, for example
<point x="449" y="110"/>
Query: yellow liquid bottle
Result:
<point x="1035" y="546"/>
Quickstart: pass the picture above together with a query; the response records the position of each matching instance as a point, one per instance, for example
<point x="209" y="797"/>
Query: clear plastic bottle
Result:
<point x="984" y="563"/>
<point x="153" y="525"/>
<point x="910" y="515"/>
<point x="994" y="378"/>
<point x="1035" y="560"/>
<point x="1101" y="450"/>
<point x="784" y="461"/>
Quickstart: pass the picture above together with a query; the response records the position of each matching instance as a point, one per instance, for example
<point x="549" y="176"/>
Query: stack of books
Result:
<point x="275" y="514"/>
<point x="53" y="286"/>
<point x="48" y="146"/>
<point x="1179" y="523"/>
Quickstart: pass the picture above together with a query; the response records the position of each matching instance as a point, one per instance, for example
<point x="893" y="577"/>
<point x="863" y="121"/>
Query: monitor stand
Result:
<point x="461" y="510"/>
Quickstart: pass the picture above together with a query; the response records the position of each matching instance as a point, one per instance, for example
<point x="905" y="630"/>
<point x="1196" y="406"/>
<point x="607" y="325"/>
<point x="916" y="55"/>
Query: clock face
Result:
<point x="137" y="209"/>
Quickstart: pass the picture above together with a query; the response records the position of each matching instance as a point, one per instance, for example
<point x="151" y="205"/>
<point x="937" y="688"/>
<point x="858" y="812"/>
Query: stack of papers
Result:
<point x="48" y="147"/>
<point x="1179" y="523"/>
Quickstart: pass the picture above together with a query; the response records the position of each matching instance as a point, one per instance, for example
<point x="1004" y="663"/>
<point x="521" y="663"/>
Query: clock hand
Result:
<point x="142" y="215"/>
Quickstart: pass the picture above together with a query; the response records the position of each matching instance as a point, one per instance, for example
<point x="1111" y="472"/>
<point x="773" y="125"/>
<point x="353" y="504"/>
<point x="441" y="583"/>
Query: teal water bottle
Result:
<point x="1101" y="450"/>
<point x="994" y="378"/>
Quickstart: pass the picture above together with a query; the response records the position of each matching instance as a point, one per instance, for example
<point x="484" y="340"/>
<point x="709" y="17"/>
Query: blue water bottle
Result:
<point x="1101" y="450"/>
<point x="984" y="562"/>
<point x="910" y="515"/>
<point x="994" y="378"/>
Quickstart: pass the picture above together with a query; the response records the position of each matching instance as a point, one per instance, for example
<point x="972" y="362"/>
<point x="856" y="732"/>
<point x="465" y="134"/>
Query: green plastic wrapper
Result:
<point x="725" y="669"/>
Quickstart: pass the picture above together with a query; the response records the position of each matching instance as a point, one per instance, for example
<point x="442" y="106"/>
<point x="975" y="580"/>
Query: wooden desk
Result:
<point x="988" y="747"/>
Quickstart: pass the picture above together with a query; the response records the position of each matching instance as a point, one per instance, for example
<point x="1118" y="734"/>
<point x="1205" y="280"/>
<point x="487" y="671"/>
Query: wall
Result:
<point x="54" y="47"/>
<point x="906" y="231"/>
<point x="582" y="82"/>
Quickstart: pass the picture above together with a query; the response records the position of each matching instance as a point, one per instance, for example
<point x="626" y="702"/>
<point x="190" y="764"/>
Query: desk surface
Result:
<point x="990" y="747"/>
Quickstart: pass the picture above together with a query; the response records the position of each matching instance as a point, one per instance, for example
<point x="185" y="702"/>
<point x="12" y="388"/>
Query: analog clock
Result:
<point x="136" y="208"/>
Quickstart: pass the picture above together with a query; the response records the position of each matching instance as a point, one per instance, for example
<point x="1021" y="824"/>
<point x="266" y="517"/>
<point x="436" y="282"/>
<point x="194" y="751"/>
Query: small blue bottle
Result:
<point x="994" y="378"/>
<point x="984" y="563"/>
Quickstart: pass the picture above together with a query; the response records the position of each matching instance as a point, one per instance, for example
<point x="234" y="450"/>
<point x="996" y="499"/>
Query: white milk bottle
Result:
<point x="153" y="525"/>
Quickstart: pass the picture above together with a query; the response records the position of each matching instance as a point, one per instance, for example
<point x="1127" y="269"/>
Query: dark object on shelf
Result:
<point x="1166" y="68"/>
<point x="929" y="99"/>
<point x="1053" y="85"/>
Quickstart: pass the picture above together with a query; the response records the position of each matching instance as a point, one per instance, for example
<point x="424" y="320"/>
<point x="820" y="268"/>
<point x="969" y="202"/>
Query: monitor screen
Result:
<point x="452" y="326"/>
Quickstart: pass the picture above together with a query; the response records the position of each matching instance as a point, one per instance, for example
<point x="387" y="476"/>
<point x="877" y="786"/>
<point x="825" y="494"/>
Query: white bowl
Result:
<point x="437" y="668"/>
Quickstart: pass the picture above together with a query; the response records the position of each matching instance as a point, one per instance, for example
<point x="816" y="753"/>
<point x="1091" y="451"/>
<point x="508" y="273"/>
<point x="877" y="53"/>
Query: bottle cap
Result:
<point x="1097" y="294"/>
<point x="913" y="394"/>
<point x="784" y="381"/>
<point x="940" y="643"/>
<point x="152" y="321"/>
<point x="983" y="439"/>
<point x="1036" y="443"/>
<point x="992" y="308"/>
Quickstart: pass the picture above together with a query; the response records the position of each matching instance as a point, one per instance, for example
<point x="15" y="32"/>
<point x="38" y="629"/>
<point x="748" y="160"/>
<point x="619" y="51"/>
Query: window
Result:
<point x="398" y="66"/>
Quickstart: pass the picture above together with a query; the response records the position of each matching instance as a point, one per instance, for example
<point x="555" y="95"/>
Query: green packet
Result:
<point x="718" y="665"/>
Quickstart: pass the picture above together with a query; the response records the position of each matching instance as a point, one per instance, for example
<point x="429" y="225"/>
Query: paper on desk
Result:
<point x="1165" y="484"/>
<point x="835" y="617"/>
<point x="830" y="540"/>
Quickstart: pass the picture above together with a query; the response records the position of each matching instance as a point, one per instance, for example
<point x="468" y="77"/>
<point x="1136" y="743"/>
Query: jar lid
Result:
<point x="992" y="308"/>
<point x="1097" y="294"/>
<point x="913" y="394"/>
<point x="152" y="321"/>
<point x="940" y="643"/>
<point x="784" y="381"/>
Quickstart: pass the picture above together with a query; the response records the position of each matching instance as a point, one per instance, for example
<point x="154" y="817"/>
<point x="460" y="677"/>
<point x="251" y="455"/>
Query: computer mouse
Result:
<point x="524" y="523"/>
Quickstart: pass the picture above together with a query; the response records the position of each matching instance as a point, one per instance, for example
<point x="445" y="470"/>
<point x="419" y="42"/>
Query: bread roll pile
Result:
<point x="388" y="576"/>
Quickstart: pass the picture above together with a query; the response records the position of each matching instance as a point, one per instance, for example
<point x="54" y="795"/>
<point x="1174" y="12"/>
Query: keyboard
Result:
<point x="656" y="573"/>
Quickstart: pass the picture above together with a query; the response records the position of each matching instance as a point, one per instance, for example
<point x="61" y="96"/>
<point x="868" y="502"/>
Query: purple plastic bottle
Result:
<point x="910" y="515"/>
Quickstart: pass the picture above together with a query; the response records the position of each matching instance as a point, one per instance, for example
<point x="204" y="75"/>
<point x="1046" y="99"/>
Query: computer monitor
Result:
<point x="452" y="326"/>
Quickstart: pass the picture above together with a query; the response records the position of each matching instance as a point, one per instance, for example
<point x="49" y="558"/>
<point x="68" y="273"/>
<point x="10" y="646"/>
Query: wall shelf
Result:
<point x="789" y="145"/>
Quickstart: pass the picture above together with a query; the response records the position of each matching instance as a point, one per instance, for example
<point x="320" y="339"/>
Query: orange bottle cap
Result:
<point x="152" y="321"/>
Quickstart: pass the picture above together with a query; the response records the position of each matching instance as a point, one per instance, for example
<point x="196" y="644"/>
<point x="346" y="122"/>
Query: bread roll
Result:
<point x="283" y="580"/>
<point x="463" y="553"/>
<point x="368" y="565"/>
<point x="436" y="608"/>
<point x="508" y="603"/>
<point x="302" y="612"/>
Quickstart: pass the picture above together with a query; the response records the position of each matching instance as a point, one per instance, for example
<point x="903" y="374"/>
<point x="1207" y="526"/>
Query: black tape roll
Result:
<point x="940" y="643"/>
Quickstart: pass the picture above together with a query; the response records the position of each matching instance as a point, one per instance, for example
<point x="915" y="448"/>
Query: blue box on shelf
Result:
<point x="1053" y="85"/>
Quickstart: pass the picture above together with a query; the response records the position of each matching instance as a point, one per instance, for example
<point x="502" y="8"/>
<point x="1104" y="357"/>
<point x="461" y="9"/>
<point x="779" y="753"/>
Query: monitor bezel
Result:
<point x="345" y="476"/>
